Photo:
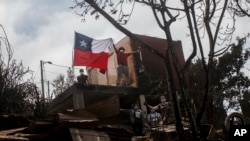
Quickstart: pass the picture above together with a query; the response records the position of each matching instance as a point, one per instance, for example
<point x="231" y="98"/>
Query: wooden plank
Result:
<point x="73" y="117"/>
<point x="88" y="135"/>
<point x="9" y="134"/>
<point x="80" y="112"/>
<point x="111" y="90"/>
<point x="39" y="136"/>
<point x="11" y="131"/>
<point x="106" y="108"/>
<point x="12" y="138"/>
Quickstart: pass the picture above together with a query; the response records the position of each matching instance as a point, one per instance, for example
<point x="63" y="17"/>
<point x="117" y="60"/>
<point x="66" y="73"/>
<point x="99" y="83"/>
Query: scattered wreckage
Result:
<point x="99" y="118"/>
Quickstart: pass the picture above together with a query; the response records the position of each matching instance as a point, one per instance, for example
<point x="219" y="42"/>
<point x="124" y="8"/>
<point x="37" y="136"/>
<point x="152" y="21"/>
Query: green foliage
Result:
<point x="226" y="79"/>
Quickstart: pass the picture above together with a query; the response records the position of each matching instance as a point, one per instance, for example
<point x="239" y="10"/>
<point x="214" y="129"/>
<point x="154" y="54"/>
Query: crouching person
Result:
<point x="154" y="118"/>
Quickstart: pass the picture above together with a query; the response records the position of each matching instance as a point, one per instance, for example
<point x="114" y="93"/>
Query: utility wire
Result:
<point x="60" y="65"/>
<point x="53" y="72"/>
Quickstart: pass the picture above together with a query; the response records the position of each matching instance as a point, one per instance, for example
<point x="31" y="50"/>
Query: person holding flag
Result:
<point x="122" y="68"/>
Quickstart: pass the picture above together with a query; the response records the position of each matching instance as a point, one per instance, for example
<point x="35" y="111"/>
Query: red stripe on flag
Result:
<point x="89" y="59"/>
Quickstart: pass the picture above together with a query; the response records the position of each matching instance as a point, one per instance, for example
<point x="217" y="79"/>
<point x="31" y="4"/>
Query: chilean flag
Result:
<point x="91" y="53"/>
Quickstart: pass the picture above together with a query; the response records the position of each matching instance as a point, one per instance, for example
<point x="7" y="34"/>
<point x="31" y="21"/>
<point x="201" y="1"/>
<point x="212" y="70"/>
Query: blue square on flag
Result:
<point x="83" y="42"/>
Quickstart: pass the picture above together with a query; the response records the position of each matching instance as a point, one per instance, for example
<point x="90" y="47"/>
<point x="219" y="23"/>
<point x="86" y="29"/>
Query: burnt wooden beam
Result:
<point x="111" y="90"/>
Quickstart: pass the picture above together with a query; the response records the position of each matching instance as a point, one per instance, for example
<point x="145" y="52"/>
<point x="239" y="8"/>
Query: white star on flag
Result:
<point x="83" y="43"/>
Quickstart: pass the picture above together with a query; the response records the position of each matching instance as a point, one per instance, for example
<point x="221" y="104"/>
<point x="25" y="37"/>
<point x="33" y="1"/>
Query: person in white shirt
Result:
<point x="136" y="118"/>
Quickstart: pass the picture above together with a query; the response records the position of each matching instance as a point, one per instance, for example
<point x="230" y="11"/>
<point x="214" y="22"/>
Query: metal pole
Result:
<point x="49" y="98"/>
<point x="42" y="81"/>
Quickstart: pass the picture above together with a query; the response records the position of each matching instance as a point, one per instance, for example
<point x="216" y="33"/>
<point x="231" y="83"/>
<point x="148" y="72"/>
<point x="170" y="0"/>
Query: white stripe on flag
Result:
<point x="99" y="46"/>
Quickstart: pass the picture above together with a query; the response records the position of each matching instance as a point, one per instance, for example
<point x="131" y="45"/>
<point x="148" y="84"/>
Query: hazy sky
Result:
<point x="44" y="30"/>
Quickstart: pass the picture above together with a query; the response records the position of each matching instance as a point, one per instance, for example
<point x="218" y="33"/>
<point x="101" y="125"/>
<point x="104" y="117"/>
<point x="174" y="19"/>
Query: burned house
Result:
<point x="102" y="100"/>
<point x="93" y="112"/>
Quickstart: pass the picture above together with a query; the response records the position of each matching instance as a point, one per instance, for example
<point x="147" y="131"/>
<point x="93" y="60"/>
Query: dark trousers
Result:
<point x="137" y="126"/>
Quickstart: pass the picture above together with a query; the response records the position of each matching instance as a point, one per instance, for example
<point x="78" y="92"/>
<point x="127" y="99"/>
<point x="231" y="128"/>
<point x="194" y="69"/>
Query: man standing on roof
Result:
<point x="82" y="78"/>
<point x="122" y="68"/>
